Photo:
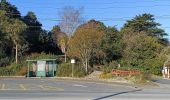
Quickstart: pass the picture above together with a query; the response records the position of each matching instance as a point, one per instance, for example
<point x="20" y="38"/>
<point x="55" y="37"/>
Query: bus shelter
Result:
<point x="41" y="68"/>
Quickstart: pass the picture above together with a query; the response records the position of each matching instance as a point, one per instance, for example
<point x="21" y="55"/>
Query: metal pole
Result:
<point x="28" y="69"/>
<point x="53" y="67"/>
<point x="72" y="69"/>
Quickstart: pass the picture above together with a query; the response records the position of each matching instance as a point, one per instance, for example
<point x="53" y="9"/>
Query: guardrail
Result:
<point x="125" y="72"/>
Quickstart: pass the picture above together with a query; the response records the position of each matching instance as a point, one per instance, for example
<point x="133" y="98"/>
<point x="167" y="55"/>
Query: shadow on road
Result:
<point x="104" y="97"/>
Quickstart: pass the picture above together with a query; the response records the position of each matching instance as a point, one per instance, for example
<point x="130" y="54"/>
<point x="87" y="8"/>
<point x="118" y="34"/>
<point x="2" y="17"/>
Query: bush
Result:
<point x="36" y="56"/>
<point x="106" y="76"/>
<point x="142" y="78"/>
<point x="65" y="70"/>
<point x="10" y="70"/>
<point x="4" y="61"/>
<point x="79" y="71"/>
<point x="107" y="68"/>
<point x="22" y="71"/>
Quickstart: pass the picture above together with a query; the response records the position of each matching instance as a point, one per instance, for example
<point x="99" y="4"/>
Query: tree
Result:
<point x="60" y="38"/>
<point x="33" y="32"/>
<point x="71" y="18"/>
<point x="85" y="41"/>
<point x="15" y="29"/>
<point x="11" y="10"/>
<point x="141" y="51"/>
<point x="111" y="44"/>
<point x="39" y="40"/>
<point x="5" y="43"/>
<point x="5" y="54"/>
<point x="146" y="22"/>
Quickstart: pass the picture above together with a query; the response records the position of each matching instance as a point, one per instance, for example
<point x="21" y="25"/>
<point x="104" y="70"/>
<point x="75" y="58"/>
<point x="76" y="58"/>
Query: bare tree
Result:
<point x="71" y="18"/>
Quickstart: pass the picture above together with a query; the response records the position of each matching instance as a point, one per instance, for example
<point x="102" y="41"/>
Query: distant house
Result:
<point x="166" y="69"/>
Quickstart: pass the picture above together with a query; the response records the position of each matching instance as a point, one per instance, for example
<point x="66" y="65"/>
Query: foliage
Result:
<point x="143" y="78"/>
<point x="85" y="42"/>
<point x="65" y="70"/>
<point x="139" y="45"/>
<point x="111" y="44"/>
<point x="15" y="29"/>
<point x="22" y="71"/>
<point x="106" y="76"/>
<point x="11" y="10"/>
<point x="10" y="70"/>
<point x="38" y="40"/>
<point x="146" y="23"/>
<point x="36" y="56"/>
<point x="107" y="68"/>
<point x="59" y="38"/>
<point x="141" y="51"/>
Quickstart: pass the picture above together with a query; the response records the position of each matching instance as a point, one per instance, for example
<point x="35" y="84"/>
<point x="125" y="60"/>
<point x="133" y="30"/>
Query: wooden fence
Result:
<point x="125" y="72"/>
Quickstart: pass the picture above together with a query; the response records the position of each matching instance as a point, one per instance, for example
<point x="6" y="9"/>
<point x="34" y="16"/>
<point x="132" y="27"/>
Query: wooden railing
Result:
<point x="125" y="72"/>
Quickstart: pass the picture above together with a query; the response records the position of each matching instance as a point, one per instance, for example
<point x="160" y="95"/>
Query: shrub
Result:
<point x="22" y="71"/>
<point x="106" y="76"/>
<point x="142" y="78"/>
<point x="65" y="70"/>
<point x="36" y="56"/>
<point x="79" y="71"/>
<point x="107" y="68"/>
<point x="10" y="70"/>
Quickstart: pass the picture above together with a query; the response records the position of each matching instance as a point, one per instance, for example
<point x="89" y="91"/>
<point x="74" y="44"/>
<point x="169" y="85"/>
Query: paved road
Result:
<point x="162" y="81"/>
<point x="51" y="89"/>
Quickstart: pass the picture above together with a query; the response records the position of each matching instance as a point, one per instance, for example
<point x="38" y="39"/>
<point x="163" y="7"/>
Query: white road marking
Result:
<point x="79" y="85"/>
<point x="3" y="86"/>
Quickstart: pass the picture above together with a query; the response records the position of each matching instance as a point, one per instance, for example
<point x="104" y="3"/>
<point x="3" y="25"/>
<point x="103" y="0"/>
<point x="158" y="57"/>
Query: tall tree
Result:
<point x="71" y="18"/>
<point x="5" y="43"/>
<point x="86" y="39"/>
<point x="60" y="38"/>
<point x="141" y="51"/>
<point x="15" y="29"/>
<point x="111" y="44"/>
<point x="146" y="22"/>
<point x="33" y="32"/>
<point x="11" y="10"/>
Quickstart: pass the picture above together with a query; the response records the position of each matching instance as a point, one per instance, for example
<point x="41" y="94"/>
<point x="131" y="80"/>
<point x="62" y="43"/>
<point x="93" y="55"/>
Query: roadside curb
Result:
<point x="100" y="81"/>
<point x="12" y="77"/>
<point x="97" y="81"/>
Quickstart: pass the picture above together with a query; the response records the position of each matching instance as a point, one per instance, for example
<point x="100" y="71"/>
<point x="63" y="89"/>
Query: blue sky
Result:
<point x="111" y="12"/>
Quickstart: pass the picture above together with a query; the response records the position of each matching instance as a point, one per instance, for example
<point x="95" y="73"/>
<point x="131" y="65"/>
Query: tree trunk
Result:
<point x="65" y="57"/>
<point x="86" y="63"/>
<point x="16" y="53"/>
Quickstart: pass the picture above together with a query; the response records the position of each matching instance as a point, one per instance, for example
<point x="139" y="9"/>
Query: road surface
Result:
<point x="52" y="89"/>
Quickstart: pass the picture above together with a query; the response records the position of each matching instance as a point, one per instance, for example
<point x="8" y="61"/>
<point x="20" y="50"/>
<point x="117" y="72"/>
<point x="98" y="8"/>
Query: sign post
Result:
<point x="73" y="62"/>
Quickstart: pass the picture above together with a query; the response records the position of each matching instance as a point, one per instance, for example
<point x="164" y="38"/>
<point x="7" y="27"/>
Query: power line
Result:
<point x="111" y="7"/>
<point x="115" y="2"/>
<point x="103" y="19"/>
